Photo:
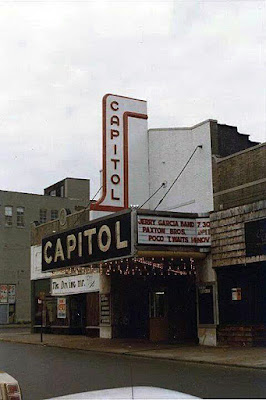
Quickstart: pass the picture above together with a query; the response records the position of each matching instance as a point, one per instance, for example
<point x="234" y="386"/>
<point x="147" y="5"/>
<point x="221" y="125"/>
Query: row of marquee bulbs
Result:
<point x="136" y="266"/>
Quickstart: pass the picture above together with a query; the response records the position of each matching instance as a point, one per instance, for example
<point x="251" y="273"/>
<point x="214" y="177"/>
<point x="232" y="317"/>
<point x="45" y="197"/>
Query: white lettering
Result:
<point x="106" y="246"/>
<point x="119" y="244"/>
<point x="89" y="233"/>
<point x="71" y="245"/>
<point x="80" y="244"/>
<point x="49" y="259"/>
<point x="59" y="251"/>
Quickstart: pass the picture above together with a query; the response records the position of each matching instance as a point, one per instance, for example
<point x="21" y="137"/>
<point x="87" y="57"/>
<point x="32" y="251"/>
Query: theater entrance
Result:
<point x="130" y="297"/>
<point x="158" y="308"/>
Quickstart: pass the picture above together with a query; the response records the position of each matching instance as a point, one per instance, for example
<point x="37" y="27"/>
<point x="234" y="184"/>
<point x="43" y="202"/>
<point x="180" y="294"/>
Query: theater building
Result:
<point x="148" y="270"/>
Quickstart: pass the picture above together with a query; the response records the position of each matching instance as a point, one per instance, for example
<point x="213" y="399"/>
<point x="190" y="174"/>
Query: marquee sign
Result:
<point x="173" y="231"/>
<point x="97" y="241"/>
<point x="116" y="112"/>
<point x="113" y="237"/>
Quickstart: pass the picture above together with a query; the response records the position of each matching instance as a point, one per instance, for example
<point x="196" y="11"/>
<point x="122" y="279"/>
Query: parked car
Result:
<point x="9" y="387"/>
<point x="134" y="392"/>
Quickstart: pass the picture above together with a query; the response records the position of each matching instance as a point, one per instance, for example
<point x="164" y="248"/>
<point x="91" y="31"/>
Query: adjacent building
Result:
<point x="238" y="230"/>
<point x="18" y="210"/>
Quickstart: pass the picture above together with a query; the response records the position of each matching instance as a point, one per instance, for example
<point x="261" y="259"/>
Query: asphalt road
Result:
<point x="44" y="372"/>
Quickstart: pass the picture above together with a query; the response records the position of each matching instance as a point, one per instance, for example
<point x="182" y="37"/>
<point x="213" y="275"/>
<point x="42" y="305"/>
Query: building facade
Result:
<point x="18" y="211"/>
<point x="112" y="277"/>
<point x="238" y="229"/>
<point x="166" y="289"/>
<point x="169" y="151"/>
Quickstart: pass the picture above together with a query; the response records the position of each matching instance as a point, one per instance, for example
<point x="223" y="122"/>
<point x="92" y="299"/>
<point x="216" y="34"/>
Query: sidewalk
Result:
<point x="251" y="357"/>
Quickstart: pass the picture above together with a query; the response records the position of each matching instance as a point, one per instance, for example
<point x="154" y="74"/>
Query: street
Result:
<point x="45" y="372"/>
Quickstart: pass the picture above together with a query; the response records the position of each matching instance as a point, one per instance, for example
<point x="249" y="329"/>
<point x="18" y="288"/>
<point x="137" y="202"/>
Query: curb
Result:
<point x="15" y="326"/>
<point x="138" y="355"/>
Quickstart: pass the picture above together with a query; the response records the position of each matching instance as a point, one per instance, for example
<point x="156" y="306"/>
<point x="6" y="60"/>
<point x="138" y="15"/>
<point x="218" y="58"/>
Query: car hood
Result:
<point x="135" y="392"/>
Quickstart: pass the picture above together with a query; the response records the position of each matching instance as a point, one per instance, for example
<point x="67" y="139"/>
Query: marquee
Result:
<point x="127" y="234"/>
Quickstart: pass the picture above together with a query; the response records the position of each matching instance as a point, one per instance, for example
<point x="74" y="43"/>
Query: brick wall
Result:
<point x="230" y="141"/>
<point x="240" y="178"/>
<point x="73" y="221"/>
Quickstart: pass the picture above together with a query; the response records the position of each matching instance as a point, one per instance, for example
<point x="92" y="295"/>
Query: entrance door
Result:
<point x="4" y="314"/>
<point x="182" y="309"/>
<point x="78" y="313"/>
<point x="130" y="299"/>
<point x="158" y="316"/>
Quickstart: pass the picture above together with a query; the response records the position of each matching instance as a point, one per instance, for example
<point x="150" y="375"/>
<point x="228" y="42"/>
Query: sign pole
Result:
<point x="41" y="301"/>
<point x="41" y="320"/>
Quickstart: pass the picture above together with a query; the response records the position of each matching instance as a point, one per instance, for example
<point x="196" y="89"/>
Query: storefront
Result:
<point x="156" y="300"/>
<point x="7" y="304"/>
<point x="67" y="304"/>
<point x="239" y="257"/>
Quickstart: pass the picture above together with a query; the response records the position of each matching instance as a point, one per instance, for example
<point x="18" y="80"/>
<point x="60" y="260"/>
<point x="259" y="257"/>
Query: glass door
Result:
<point x="4" y="314"/>
<point x="158" y="316"/>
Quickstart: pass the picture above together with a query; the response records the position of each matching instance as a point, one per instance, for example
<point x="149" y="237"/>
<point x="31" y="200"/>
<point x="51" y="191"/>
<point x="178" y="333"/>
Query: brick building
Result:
<point x="18" y="211"/>
<point x="238" y="230"/>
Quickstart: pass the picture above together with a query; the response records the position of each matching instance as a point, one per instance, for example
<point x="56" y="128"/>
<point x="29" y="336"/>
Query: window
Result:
<point x="43" y="214"/>
<point x="62" y="191"/>
<point x="54" y="214"/>
<point x="20" y="216"/>
<point x="53" y="193"/>
<point x="8" y="215"/>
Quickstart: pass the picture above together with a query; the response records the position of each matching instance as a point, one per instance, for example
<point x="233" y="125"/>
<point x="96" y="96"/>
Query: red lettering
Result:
<point x="177" y="239"/>
<point x="168" y="223"/>
<point x="144" y="221"/>
<point x="200" y="239"/>
<point x="148" y="229"/>
<point x="156" y="238"/>
<point x="177" y="231"/>
<point x="187" y="224"/>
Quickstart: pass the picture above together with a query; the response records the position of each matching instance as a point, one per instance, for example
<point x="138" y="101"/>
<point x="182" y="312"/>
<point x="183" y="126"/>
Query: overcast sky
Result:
<point x="191" y="60"/>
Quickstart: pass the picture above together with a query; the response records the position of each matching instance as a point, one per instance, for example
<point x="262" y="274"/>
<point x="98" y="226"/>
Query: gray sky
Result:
<point x="191" y="60"/>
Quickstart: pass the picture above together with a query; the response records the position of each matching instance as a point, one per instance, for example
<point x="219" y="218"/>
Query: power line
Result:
<point x="199" y="146"/>
<point x="162" y="185"/>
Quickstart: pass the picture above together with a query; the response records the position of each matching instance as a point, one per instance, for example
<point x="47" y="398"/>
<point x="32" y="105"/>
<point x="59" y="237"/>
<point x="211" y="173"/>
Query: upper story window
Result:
<point x="20" y="216"/>
<point x="43" y="216"/>
<point x="52" y="193"/>
<point x="8" y="215"/>
<point x="54" y="214"/>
